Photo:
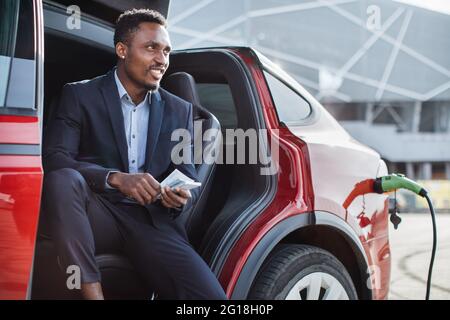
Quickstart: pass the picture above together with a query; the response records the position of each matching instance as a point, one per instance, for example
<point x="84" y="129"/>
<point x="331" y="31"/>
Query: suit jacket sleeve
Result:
<point x="62" y="142"/>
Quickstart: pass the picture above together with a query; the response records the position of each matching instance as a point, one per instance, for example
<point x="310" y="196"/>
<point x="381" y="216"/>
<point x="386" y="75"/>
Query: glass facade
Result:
<point x="381" y="67"/>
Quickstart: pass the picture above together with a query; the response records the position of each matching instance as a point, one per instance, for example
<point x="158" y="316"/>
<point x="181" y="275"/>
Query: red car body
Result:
<point x="319" y="165"/>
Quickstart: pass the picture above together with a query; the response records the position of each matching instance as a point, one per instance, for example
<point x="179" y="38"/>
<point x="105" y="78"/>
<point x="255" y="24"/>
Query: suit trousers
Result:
<point x="83" y="223"/>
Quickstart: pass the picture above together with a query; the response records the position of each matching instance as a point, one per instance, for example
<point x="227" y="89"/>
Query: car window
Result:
<point x="17" y="58"/>
<point x="290" y="106"/>
<point x="217" y="98"/>
<point x="8" y="29"/>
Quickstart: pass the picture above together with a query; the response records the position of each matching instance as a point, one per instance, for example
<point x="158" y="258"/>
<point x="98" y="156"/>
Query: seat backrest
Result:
<point x="183" y="85"/>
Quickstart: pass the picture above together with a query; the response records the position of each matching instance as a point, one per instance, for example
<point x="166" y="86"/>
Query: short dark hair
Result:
<point x="128" y="22"/>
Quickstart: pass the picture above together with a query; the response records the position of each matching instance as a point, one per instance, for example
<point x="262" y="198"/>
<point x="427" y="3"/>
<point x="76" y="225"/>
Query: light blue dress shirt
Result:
<point x="136" y="126"/>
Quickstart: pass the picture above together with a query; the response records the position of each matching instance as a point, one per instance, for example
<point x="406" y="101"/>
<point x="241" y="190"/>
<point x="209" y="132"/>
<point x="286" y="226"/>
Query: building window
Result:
<point x="435" y="117"/>
<point x="347" y="111"/>
<point x="439" y="171"/>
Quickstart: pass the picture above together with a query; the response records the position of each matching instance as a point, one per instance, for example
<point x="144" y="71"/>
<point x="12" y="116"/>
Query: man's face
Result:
<point x="147" y="55"/>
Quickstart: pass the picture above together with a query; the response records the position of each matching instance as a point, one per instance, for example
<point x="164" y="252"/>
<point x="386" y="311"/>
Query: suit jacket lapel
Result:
<point x="154" y="127"/>
<point x="112" y="101"/>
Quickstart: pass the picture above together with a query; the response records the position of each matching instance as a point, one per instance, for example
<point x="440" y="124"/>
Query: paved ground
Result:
<point x="411" y="250"/>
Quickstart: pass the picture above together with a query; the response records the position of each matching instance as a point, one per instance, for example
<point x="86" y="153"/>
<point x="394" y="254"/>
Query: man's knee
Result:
<point x="61" y="179"/>
<point x="62" y="189"/>
<point x="63" y="184"/>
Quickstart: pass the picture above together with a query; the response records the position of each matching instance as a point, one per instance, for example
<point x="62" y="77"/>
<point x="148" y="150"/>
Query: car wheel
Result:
<point x="301" y="272"/>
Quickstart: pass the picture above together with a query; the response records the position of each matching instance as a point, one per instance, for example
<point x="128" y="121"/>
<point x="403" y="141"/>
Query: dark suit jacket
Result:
<point x="87" y="134"/>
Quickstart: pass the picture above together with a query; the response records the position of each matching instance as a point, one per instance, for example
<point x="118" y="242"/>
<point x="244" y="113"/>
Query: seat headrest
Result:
<point x="182" y="84"/>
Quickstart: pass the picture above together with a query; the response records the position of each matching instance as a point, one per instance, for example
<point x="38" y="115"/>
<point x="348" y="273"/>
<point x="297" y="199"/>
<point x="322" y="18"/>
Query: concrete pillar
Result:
<point x="426" y="171"/>
<point x="416" y="116"/>
<point x="447" y="170"/>
<point x="369" y="113"/>
<point x="410" y="170"/>
<point x="447" y="113"/>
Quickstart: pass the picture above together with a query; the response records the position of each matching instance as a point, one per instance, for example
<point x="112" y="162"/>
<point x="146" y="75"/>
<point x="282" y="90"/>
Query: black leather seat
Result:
<point x="207" y="134"/>
<point x="118" y="277"/>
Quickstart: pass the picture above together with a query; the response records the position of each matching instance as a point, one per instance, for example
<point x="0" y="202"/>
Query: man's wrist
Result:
<point x="114" y="179"/>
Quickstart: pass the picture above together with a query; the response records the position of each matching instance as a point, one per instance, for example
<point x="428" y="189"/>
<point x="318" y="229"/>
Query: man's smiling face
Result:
<point x="147" y="56"/>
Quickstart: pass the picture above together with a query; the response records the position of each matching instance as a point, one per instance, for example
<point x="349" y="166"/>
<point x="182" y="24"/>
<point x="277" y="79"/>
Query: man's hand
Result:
<point x="141" y="187"/>
<point x="174" y="198"/>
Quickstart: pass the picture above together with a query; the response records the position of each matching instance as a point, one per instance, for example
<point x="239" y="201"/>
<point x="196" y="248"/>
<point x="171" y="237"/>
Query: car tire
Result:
<point x="302" y="272"/>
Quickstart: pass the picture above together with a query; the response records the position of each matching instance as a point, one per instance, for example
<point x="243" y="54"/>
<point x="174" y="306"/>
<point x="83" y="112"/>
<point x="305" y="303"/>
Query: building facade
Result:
<point x="381" y="67"/>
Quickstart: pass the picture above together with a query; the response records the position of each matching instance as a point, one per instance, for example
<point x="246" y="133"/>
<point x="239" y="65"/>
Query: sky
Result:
<point x="441" y="6"/>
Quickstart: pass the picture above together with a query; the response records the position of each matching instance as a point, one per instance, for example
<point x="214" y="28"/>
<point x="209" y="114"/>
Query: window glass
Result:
<point x="291" y="107"/>
<point x="8" y="28"/>
<point x="17" y="61"/>
<point x="217" y="98"/>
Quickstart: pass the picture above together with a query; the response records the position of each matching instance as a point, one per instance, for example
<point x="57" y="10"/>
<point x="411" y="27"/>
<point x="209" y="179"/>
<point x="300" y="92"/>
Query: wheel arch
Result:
<point x="321" y="229"/>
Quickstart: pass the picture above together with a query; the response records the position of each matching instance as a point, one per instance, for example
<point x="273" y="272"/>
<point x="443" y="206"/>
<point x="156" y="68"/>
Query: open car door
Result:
<point x="21" y="120"/>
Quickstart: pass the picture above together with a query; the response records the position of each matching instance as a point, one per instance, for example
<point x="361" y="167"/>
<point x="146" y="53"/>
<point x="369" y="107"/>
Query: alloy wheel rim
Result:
<point x="317" y="286"/>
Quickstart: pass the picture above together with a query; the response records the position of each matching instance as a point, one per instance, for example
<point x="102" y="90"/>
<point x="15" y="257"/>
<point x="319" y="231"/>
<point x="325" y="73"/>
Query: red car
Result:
<point x="284" y="235"/>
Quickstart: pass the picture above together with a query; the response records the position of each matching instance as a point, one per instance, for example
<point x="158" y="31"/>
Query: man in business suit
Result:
<point x="107" y="147"/>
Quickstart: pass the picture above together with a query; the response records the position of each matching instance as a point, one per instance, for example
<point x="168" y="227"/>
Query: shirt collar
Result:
<point x="123" y="92"/>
